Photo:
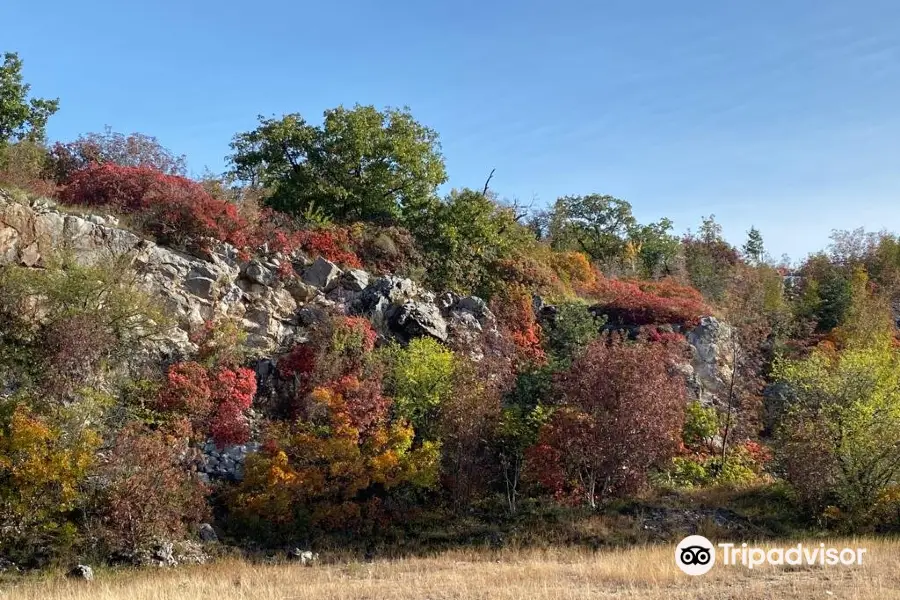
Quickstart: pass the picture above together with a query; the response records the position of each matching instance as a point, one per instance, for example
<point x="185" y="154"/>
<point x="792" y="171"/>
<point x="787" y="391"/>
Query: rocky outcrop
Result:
<point x="710" y="368"/>
<point x="200" y="285"/>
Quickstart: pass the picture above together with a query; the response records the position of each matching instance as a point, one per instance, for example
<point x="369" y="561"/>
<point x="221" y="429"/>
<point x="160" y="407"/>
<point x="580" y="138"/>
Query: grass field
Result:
<point x="647" y="572"/>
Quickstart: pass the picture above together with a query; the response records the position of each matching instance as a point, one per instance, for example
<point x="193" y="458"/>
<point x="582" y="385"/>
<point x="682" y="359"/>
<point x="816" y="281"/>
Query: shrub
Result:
<point x="514" y="310"/>
<point x="150" y="496"/>
<point x="420" y="380"/>
<point x="24" y="165"/>
<point x="621" y="414"/>
<point x="174" y="208"/>
<point x="701" y="424"/>
<point x="648" y="302"/>
<point x="43" y="468"/>
<point x="109" y="147"/>
<point x="573" y="328"/>
<point x="316" y="474"/>
<point x="214" y="399"/>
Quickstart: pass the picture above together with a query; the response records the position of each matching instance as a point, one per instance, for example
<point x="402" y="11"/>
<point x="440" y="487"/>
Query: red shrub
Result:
<point x="187" y="391"/>
<point x="514" y="310"/>
<point x="366" y="406"/>
<point x="150" y="495"/>
<point x="648" y="302"/>
<point x="622" y="414"/>
<point x="331" y="244"/>
<point x="174" y="208"/>
<point x="214" y="401"/>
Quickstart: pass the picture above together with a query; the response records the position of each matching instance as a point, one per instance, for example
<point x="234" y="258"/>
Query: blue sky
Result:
<point x="782" y="114"/>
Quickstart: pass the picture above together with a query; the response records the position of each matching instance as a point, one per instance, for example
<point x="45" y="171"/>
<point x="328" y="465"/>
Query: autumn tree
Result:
<point x="21" y="117"/>
<point x="621" y="412"/>
<point x="132" y="150"/>
<point x="360" y="164"/>
<point x="709" y="259"/>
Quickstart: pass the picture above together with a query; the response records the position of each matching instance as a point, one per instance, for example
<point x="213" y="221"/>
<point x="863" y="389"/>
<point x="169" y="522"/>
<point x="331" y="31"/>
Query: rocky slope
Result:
<point x="196" y="287"/>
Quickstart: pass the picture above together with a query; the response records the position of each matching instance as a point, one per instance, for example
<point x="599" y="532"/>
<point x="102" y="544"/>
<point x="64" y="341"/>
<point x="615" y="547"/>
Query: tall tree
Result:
<point x="595" y="224"/>
<point x="21" y="118"/>
<point x="753" y="248"/>
<point x="360" y="164"/>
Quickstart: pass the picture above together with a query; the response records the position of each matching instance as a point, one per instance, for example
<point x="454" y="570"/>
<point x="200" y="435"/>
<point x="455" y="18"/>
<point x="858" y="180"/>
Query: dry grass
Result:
<point x="531" y="574"/>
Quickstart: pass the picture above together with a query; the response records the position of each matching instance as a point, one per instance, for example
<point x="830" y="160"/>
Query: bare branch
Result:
<point x="486" y="183"/>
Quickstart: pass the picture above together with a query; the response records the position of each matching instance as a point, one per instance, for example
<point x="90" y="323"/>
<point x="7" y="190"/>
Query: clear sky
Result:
<point x="783" y="114"/>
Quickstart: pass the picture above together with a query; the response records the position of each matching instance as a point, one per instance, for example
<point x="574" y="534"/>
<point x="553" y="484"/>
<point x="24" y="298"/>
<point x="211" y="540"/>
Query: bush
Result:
<point x="176" y="210"/>
<point x="648" y="302"/>
<point x="151" y="496"/>
<point x="620" y="416"/>
<point x="420" y="380"/>
<point x="43" y="468"/>
<point x="322" y="474"/>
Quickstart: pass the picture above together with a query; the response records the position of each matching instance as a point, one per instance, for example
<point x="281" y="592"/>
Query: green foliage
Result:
<point x="420" y="380"/>
<point x="465" y="240"/>
<point x="573" y="328"/>
<point x="701" y="424"/>
<point x="21" y="118"/>
<point x="655" y="247"/>
<point x="709" y="259"/>
<point x="360" y="164"/>
<point x="840" y="436"/>
<point x="59" y="325"/>
<point x="753" y="248"/>
<point x="595" y="224"/>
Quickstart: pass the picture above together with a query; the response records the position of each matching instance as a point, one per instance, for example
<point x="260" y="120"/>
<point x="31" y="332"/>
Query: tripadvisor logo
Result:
<point x="696" y="555"/>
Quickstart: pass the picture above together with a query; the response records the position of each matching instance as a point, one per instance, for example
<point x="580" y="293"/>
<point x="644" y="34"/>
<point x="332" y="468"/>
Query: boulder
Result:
<point x="417" y="319"/>
<point x="355" y="280"/>
<point x="207" y="534"/>
<point x="322" y="274"/>
<point x="83" y="572"/>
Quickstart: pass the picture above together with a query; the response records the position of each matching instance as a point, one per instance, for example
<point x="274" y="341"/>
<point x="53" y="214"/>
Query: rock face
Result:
<point x="195" y="287"/>
<point x="710" y="366"/>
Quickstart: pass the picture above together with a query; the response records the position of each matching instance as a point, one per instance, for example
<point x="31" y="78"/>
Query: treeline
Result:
<point x="581" y="399"/>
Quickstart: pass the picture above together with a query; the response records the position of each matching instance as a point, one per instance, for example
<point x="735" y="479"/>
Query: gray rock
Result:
<point x="417" y="319"/>
<point x="355" y="280"/>
<point x="304" y="557"/>
<point x="201" y="287"/>
<point x="258" y="273"/>
<point x="322" y="274"/>
<point x="207" y="533"/>
<point x="83" y="572"/>
<point x="472" y="304"/>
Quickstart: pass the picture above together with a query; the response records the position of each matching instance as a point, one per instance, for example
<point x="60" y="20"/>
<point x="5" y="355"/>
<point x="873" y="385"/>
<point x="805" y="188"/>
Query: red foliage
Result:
<point x="622" y="414"/>
<point x="301" y="360"/>
<point x="187" y="390"/>
<point x="331" y="244"/>
<point x="514" y="310"/>
<point x="174" y="208"/>
<point x="649" y="302"/>
<point x="150" y="495"/>
<point x="212" y="400"/>
<point x="366" y="406"/>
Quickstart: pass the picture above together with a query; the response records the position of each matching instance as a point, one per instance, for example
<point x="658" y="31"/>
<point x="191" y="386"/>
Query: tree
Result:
<point x="621" y="414"/>
<point x="21" y="118"/>
<point x="839" y="439"/>
<point x="360" y="164"/>
<point x="709" y="259"/>
<point x="753" y="247"/>
<point x="133" y="150"/>
<point x="655" y="248"/>
<point x="595" y="224"/>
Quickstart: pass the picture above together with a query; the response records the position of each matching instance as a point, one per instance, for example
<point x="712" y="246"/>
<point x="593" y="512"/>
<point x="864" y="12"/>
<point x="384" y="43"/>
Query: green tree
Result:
<point x="753" y="248"/>
<point x="21" y="118"/>
<point x="840" y="438"/>
<point x="360" y="164"/>
<point x="420" y="378"/>
<point x="463" y="236"/>
<point x="656" y="248"/>
<point x="595" y="224"/>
